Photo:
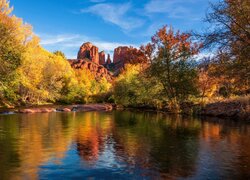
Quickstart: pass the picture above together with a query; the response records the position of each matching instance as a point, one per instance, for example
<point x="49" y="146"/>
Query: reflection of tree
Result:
<point x="90" y="135"/>
<point x="88" y="150"/>
<point x="34" y="140"/>
<point x="228" y="141"/>
<point x="165" y="145"/>
<point x="9" y="158"/>
<point x="243" y="164"/>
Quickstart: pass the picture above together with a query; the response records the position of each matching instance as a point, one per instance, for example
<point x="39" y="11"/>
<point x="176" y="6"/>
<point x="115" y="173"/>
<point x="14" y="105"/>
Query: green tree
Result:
<point x="134" y="88"/>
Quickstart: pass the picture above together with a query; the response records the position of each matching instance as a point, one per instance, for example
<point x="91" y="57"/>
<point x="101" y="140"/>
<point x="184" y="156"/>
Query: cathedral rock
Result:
<point x="89" y="51"/>
<point x="102" y="60"/>
<point x="90" y="58"/>
<point x="97" y="70"/>
<point x="119" y="59"/>
<point x="120" y="54"/>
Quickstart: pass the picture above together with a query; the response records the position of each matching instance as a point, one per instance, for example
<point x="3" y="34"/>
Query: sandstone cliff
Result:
<point x="89" y="51"/>
<point x="120" y="54"/>
<point x="108" y="60"/>
<point x="90" y="58"/>
<point x="102" y="59"/>
<point x="99" y="71"/>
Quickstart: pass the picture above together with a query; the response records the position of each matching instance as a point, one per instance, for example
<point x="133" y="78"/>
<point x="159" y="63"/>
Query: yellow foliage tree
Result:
<point x="133" y="88"/>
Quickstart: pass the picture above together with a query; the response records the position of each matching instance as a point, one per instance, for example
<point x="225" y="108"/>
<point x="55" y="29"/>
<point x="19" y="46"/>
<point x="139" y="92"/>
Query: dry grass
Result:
<point x="244" y="102"/>
<point x="241" y="99"/>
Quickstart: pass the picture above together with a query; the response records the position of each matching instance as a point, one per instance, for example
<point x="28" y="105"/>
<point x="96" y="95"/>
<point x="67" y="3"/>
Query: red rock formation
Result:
<point x="120" y="53"/>
<point x="98" y="70"/>
<point x="89" y="51"/>
<point x="102" y="58"/>
<point x="108" y="60"/>
<point x="131" y="55"/>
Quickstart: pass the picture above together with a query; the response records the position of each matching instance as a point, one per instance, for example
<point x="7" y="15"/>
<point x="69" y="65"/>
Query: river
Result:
<point x="122" y="145"/>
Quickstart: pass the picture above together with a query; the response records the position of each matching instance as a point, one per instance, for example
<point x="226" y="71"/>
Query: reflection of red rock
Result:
<point x="96" y="69"/>
<point x="102" y="58"/>
<point x="91" y="136"/>
<point x="89" y="149"/>
<point x="89" y="51"/>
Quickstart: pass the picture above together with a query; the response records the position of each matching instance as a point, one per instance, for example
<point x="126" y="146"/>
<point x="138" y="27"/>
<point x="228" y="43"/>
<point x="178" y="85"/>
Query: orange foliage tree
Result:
<point x="229" y="35"/>
<point x="170" y="55"/>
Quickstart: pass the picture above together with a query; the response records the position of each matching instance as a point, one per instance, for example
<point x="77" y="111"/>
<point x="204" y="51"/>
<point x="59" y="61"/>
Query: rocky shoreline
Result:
<point x="233" y="110"/>
<point x="66" y="108"/>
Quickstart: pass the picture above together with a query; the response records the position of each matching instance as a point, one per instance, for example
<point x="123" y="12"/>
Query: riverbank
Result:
<point x="238" y="109"/>
<point x="59" y="108"/>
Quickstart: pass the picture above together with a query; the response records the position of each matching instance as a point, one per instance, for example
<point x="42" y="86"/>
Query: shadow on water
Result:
<point x="122" y="145"/>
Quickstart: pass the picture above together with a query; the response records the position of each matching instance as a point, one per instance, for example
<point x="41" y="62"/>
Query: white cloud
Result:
<point x="173" y="8"/>
<point x="70" y="44"/>
<point x="51" y="40"/>
<point x="116" y="14"/>
<point x="97" y="1"/>
<point x="159" y="6"/>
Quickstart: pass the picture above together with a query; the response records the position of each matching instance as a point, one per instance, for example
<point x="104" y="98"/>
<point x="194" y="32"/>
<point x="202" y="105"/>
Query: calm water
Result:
<point x="121" y="145"/>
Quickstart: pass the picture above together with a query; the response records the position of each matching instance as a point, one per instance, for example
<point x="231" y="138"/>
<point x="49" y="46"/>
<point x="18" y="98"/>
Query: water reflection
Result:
<point x="121" y="145"/>
<point x="90" y="137"/>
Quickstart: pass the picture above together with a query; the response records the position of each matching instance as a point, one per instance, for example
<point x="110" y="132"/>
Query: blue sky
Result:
<point x="66" y="24"/>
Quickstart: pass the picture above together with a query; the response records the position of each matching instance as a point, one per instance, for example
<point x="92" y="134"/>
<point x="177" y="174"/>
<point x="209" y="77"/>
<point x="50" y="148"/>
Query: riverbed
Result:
<point x="122" y="145"/>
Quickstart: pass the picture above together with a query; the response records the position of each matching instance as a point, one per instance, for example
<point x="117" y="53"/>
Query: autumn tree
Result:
<point x="134" y="88"/>
<point x="229" y="34"/>
<point x="135" y="56"/>
<point x="28" y="73"/>
<point x="208" y="84"/>
<point x="60" y="53"/>
<point x="43" y="76"/>
<point x="172" y="65"/>
<point x="11" y="47"/>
